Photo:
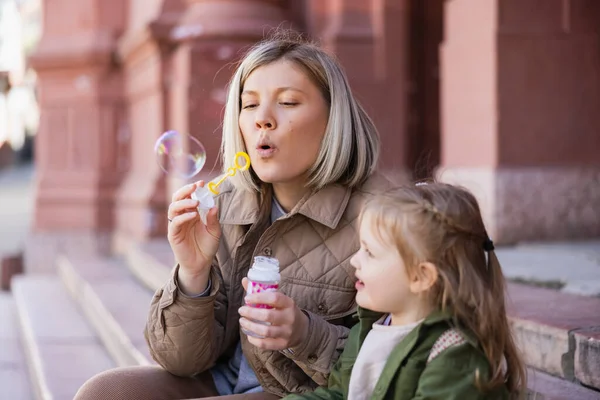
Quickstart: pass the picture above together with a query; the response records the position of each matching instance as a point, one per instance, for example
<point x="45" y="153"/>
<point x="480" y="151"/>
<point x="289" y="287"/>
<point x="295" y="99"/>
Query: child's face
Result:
<point x="383" y="283"/>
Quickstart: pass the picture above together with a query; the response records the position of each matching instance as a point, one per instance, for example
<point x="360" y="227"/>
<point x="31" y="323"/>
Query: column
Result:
<point x="81" y="102"/>
<point x="371" y="40"/>
<point x="520" y="93"/>
<point x="177" y="65"/>
<point x="78" y="151"/>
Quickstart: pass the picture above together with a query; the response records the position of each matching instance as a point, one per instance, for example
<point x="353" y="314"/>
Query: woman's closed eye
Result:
<point x="250" y="106"/>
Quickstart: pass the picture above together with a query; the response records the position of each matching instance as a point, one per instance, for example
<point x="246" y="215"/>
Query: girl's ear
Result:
<point x="425" y="276"/>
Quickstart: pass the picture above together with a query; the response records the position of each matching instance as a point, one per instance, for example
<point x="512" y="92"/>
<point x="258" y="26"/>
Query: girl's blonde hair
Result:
<point x="442" y="224"/>
<point x="350" y="146"/>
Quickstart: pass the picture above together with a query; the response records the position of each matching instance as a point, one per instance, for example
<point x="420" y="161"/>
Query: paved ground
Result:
<point x="573" y="266"/>
<point x="16" y="205"/>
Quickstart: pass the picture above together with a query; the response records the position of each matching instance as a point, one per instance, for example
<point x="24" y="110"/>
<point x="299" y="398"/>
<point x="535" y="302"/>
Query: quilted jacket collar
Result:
<point x="325" y="206"/>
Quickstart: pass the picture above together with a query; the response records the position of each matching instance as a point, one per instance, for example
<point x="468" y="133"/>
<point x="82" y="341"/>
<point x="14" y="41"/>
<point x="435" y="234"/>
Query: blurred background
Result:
<point x="20" y="31"/>
<point x="500" y="96"/>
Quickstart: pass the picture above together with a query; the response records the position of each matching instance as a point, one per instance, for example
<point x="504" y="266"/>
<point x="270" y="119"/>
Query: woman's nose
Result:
<point x="265" y="120"/>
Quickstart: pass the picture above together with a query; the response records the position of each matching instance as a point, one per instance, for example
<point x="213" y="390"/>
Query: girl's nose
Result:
<point x="354" y="261"/>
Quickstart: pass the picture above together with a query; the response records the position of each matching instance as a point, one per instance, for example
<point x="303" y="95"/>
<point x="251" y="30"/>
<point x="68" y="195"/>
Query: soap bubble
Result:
<point x="181" y="155"/>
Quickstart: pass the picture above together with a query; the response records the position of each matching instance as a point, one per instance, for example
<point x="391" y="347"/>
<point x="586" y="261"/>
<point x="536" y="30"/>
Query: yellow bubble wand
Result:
<point x="231" y="171"/>
<point x="205" y="195"/>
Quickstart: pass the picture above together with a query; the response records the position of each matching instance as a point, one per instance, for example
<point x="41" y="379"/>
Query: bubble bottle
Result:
<point x="206" y="195"/>
<point x="263" y="276"/>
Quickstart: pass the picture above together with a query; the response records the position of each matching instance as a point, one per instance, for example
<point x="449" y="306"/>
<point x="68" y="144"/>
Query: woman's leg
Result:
<point x="145" y="383"/>
<point x="251" y="396"/>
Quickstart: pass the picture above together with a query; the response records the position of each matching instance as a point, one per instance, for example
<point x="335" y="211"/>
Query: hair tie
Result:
<point x="488" y="245"/>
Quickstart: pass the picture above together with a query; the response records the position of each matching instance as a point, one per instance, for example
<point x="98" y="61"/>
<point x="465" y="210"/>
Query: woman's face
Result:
<point x="283" y="119"/>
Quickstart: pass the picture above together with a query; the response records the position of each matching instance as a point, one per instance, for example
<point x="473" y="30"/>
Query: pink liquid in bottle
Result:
<point x="263" y="276"/>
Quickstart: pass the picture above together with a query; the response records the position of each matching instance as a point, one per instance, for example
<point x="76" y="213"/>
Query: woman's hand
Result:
<point x="193" y="243"/>
<point x="288" y="324"/>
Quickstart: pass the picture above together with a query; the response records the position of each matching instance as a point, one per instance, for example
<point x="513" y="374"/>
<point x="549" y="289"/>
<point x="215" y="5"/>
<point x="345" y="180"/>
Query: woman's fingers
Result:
<point x="271" y="316"/>
<point x="276" y="300"/>
<point x="177" y="223"/>
<point x="180" y="207"/>
<point x="267" y="331"/>
<point x="213" y="227"/>
<point x="283" y="326"/>
<point x="268" y="343"/>
<point x="186" y="191"/>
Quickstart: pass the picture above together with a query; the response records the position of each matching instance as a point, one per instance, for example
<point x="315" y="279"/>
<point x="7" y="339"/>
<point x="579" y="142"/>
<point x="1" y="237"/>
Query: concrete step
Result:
<point x="62" y="351"/>
<point x="114" y="302"/>
<point x="542" y="386"/>
<point x="151" y="262"/>
<point x="558" y="333"/>
<point x="571" y="267"/>
<point x="14" y="378"/>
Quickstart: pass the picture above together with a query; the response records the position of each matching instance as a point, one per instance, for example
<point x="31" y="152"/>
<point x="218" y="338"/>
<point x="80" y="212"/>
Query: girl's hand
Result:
<point x="288" y="324"/>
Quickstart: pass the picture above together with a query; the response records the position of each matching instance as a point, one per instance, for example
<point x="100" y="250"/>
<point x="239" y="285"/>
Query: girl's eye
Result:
<point x="248" y="106"/>
<point x="289" y="103"/>
<point x="367" y="252"/>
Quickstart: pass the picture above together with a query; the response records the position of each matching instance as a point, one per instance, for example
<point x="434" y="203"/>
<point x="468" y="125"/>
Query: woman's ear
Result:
<point x="425" y="276"/>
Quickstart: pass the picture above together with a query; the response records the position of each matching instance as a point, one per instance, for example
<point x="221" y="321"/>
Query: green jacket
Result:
<point x="407" y="375"/>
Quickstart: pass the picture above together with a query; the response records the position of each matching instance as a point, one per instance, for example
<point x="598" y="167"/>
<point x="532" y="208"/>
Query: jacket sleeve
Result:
<point x="451" y="376"/>
<point x="336" y="389"/>
<point x="320" y="394"/>
<point x="322" y="348"/>
<point x="185" y="334"/>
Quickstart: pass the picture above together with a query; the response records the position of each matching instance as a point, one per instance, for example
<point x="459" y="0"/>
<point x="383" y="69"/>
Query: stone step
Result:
<point x="558" y="333"/>
<point x="62" y="350"/>
<point x="542" y="386"/>
<point x="114" y="302"/>
<point x="150" y="262"/>
<point x="14" y="379"/>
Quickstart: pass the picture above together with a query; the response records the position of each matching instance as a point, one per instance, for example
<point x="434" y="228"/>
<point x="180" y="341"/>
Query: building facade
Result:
<point x="498" y="95"/>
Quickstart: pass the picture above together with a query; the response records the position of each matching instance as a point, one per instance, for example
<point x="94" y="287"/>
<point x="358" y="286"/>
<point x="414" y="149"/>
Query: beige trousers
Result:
<point x="154" y="383"/>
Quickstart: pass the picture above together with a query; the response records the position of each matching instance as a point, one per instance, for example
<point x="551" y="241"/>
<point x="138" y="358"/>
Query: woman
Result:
<point x="313" y="151"/>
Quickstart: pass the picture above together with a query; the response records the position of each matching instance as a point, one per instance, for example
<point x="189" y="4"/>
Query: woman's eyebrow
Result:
<point x="289" y="88"/>
<point x="278" y="90"/>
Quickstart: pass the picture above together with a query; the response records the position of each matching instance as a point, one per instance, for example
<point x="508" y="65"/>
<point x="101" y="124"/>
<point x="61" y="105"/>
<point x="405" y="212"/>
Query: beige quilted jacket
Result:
<point x="313" y="243"/>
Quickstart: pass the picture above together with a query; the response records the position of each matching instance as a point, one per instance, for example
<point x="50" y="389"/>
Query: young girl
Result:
<point x="432" y="316"/>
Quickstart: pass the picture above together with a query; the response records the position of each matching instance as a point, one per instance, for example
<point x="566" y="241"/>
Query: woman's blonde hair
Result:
<point x="350" y="146"/>
<point x="442" y="224"/>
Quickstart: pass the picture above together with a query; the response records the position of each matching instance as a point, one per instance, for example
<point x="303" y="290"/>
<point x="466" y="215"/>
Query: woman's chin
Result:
<point x="266" y="179"/>
<point x="270" y="176"/>
<point x="280" y="173"/>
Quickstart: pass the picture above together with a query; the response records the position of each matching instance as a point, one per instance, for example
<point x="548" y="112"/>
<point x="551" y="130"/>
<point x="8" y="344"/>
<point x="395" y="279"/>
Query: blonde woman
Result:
<point x="313" y="152"/>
